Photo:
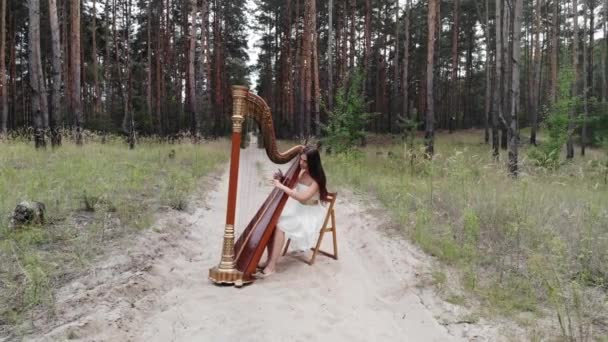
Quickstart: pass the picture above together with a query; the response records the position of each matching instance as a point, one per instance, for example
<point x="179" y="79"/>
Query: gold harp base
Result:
<point x="227" y="276"/>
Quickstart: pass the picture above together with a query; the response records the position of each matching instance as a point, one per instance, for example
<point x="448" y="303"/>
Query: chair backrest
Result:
<point x="331" y="199"/>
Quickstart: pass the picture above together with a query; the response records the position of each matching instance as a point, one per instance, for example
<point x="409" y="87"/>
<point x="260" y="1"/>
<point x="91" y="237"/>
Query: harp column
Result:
<point x="226" y="272"/>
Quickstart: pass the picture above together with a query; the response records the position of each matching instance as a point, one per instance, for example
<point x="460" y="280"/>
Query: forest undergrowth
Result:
<point x="94" y="195"/>
<point x="526" y="248"/>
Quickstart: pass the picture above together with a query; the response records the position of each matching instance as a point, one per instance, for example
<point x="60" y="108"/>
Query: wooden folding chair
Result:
<point x="324" y="229"/>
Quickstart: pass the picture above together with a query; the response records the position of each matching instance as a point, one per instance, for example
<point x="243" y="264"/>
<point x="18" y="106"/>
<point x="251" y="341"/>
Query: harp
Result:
<point x="240" y="258"/>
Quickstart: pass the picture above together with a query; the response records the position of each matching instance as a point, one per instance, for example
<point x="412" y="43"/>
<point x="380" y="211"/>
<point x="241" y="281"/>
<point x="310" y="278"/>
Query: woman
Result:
<point x="303" y="214"/>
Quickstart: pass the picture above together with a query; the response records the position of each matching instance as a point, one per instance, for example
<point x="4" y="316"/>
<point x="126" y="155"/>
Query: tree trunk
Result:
<point x="367" y="50"/>
<point x="107" y="75"/>
<point x="537" y="74"/>
<point x="554" y="52"/>
<point x="149" y="62"/>
<point x="330" y="58"/>
<point x="206" y="56"/>
<point x="605" y="54"/>
<point x="12" y="71"/>
<point x="575" y="86"/>
<point x="513" y="135"/>
<point x="588" y="71"/>
<point x="454" y="105"/>
<point x="353" y="8"/>
<point x="56" y="115"/>
<point x="160" y="74"/>
<point x="316" y="89"/>
<point x="191" y="88"/>
<point x="306" y="65"/>
<point x="506" y="73"/>
<point x="3" y="80"/>
<point x="430" y="59"/>
<point x="298" y="79"/>
<point x="39" y="106"/>
<point x="76" y="68"/>
<point x="344" y="45"/>
<point x="406" y="62"/>
<point x="497" y="112"/>
<point x="489" y="85"/>
<point x="96" y="94"/>
<point x="218" y="99"/>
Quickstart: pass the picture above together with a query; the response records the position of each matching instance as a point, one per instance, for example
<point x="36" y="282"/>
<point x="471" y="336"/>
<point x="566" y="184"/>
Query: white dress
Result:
<point x="302" y="222"/>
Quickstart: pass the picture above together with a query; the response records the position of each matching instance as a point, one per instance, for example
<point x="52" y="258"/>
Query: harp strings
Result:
<point x="246" y="205"/>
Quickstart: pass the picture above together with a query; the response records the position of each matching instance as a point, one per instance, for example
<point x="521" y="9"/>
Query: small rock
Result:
<point x="27" y="212"/>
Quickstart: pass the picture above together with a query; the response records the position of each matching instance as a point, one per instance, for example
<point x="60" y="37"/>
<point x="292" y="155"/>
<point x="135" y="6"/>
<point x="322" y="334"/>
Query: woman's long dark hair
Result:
<point x="315" y="169"/>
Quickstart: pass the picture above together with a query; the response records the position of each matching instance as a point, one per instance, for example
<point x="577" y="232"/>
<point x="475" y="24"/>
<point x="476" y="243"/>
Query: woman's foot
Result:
<point x="267" y="272"/>
<point x="262" y="265"/>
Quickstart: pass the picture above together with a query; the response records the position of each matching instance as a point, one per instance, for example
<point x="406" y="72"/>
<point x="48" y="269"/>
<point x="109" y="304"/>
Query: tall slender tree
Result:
<point x="575" y="85"/>
<point x="37" y="87"/>
<point x="406" y="62"/>
<point x="191" y="84"/>
<point x="554" y="51"/>
<point x="330" y="56"/>
<point x="56" y="109"/>
<point x="515" y="95"/>
<point x="433" y="9"/>
<point x="535" y="90"/>
<point x="498" y="98"/>
<point x="75" y="68"/>
<point x="3" y="78"/>
<point x="454" y="107"/>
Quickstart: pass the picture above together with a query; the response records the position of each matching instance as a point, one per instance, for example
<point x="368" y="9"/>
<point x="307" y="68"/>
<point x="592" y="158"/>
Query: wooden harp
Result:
<point x="239" y="259"/>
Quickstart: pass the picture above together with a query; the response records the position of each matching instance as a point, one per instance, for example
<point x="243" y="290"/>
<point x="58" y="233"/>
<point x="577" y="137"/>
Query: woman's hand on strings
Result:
<point x="278" y="175"/>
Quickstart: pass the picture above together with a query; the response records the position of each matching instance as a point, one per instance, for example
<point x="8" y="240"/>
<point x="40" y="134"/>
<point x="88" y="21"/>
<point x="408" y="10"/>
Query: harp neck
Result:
<point x="247" y="104"/>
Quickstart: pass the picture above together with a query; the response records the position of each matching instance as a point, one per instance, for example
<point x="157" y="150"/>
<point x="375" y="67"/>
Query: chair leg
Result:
<point x="316" y="249"/>
<point x="333" y="224"/>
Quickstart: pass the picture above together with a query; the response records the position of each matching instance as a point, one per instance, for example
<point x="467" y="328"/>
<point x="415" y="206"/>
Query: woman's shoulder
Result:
<point x="307" y="181"/>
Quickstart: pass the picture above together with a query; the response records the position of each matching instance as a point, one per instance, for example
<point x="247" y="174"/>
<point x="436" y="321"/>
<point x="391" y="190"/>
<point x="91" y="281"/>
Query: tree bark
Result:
<point x="56" y="115"/>
<point x="575" y="86"/>
<point x="96" y="93"/>
<point x="353" y="12"/>
<point x="537" y="73"/>
<point x="489" y="85"/>
<point x="316" y="87"/>
<point x="513" y="132"/>
<point x="587" y="71"/>
<point x="206" y="56"/>
<point x="330" y="58"/>
<point x="76" y="68"/>
<point x="554" y="52"/>
<point x="406" y="62"/>
<point x="497" y="112"/>
<point x="454" y="105"/>
<point x="191" y="96"/>
<point x="605" y="54"/>
<point x="3" y="79"/>
<point x="149" y="62"/>
<point x="217" y="50"/>
<point x="306" y="66"/>
<point x="37" y="87"/>
<point x="433" y="8"/>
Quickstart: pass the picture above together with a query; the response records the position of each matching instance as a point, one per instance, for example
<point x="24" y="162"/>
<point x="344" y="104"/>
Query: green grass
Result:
<point x="93" y="194"/>
<point x="524" y="245"/>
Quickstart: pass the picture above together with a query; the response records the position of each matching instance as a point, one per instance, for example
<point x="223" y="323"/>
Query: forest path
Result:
<point x="157" y="289"/>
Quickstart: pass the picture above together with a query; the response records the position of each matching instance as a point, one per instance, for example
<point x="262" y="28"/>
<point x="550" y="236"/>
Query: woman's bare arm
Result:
<point x="302" y="196"/>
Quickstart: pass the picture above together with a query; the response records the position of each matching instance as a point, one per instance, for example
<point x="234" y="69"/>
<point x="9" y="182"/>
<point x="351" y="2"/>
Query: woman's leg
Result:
<point x="277" y="246"/>
<point x="269" y="247"/>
